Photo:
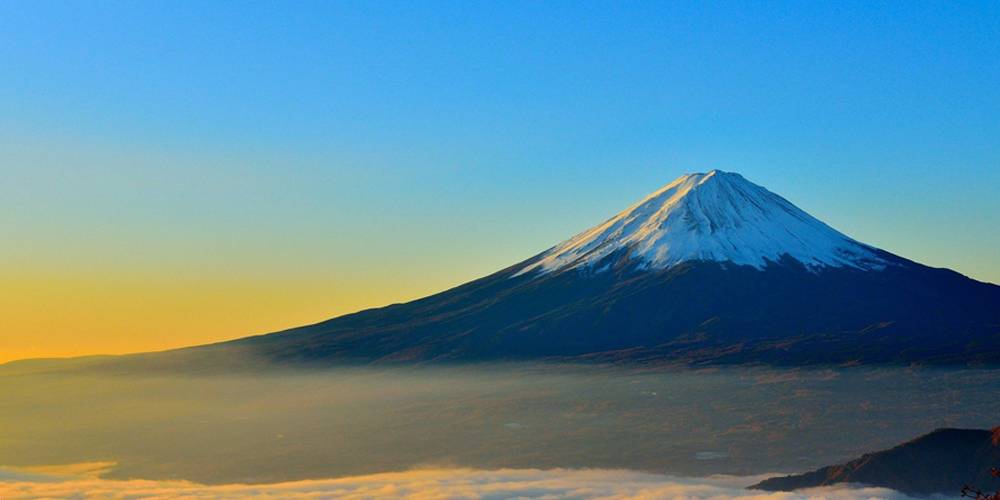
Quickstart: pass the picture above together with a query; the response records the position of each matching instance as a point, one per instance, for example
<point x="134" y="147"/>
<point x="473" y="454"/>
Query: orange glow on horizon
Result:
<point x="61" y="316"/>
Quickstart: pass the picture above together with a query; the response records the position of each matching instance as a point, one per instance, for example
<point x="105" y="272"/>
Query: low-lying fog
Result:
<point x="344" y="422"/>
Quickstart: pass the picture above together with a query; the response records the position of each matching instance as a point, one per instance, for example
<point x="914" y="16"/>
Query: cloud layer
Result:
<point x="430" y="484"/>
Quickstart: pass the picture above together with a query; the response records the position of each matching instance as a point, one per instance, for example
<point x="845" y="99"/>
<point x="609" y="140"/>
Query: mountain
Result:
<point x="940" y="462"/>
<point x="709" y="269"/>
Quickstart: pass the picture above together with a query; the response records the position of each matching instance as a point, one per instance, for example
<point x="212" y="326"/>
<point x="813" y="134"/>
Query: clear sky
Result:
<point x="181" y="172"/>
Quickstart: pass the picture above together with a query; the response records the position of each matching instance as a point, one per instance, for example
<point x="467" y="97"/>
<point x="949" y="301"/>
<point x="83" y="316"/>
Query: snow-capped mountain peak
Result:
<point x="715" y="216"/>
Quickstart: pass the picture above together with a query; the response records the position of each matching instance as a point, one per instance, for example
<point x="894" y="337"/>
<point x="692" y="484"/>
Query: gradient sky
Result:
<point x="183" y="172"/>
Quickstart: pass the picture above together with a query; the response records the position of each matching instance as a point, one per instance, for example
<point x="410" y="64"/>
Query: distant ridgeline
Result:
<point x="940" y="462"/>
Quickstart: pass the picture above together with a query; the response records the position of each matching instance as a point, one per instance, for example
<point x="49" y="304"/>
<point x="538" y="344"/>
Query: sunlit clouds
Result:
<point x="435" y="484"/>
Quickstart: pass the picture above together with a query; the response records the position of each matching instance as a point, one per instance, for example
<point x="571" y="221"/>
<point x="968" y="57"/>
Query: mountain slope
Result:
<point x="940" y="462"/>
<point x="697" y="312"/>
<point x="709" y="269"/>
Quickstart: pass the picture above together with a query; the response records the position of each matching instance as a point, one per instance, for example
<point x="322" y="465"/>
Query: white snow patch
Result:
<point x="715" y="216"/>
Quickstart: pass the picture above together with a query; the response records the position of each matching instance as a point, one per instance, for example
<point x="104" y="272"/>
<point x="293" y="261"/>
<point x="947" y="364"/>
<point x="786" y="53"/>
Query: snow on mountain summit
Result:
<point x="715" y="216"/>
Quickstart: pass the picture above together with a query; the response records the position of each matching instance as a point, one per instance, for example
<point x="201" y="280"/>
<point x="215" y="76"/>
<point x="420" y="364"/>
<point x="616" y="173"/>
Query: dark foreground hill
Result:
<point x="940" y="462"/>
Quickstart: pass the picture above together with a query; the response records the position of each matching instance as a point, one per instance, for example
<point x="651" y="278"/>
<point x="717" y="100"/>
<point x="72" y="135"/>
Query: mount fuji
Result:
<point x="709" y="269"/>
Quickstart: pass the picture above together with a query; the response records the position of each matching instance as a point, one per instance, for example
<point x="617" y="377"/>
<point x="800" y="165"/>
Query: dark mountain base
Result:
<point x="701" y="313"/>
<point x="694" y="313"/>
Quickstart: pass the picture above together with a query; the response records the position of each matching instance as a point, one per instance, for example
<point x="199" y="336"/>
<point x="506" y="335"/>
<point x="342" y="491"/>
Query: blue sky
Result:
<point x="410" y="146"/>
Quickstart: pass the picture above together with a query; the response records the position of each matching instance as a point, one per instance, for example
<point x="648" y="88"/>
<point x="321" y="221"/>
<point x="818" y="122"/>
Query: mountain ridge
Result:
<point x="608" y="304"/>
<point x="785" y="308"/>
<point x="941" y="462"/>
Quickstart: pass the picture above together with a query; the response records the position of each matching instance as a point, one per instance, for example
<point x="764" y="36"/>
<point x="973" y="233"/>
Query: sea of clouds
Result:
<point x="487" y="432"/>
<point x="426" y="484"/>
